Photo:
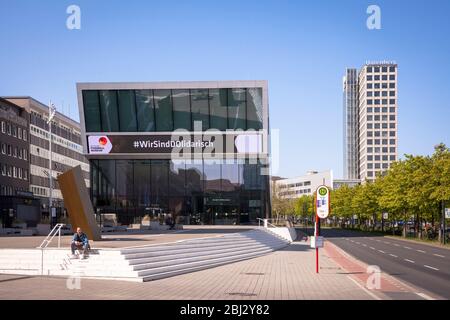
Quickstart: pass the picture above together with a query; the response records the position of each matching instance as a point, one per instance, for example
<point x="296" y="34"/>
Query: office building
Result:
<point x="374" y="123"/>
<point x="195" y="150"/>
<point x="66" y="150"/>
<point x="305" y="185"/>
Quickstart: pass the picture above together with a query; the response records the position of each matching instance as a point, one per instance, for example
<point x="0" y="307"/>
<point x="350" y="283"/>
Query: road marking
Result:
<point x="365" y="245"/>
<point x="397" y="245"/>
<point x="438" y="255"/>
<point x="430" y="267"/>
<point x="393" y="255"/>
<point x="421" y="251"/>
<point x="381" y="251"/>
<point x="407" y="248"/>
<point x="425" y="296"/>
<point x="358" y="242"/>
<point x="364" y="288"/>
<point x="378" y="240"/>
<point x="372" y="248"/>
<point x="409" y="260"/>
<point x="386" y="242"/>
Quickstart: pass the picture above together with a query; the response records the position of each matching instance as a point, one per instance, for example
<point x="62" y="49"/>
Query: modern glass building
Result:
<point x="196" y="150"/>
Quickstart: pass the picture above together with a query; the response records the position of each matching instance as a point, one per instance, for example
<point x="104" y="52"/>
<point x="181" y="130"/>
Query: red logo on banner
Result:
<point x="103" y="141"/>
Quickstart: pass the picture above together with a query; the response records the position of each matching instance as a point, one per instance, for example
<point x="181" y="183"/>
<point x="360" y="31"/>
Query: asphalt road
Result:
<point x="421" y="265"/>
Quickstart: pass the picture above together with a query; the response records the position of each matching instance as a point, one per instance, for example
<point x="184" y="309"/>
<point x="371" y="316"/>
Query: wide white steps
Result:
<point x="146" y="262"/>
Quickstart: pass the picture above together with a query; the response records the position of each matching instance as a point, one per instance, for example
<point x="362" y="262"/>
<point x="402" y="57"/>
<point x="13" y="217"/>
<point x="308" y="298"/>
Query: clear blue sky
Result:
<point x="302" y="48"/>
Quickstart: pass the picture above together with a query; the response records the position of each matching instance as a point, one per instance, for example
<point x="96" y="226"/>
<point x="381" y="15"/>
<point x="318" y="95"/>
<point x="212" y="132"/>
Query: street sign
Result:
<point x="322" y="202"/>
<point x="385" y="215"/>
<point x="447" y="213"/>
<point x="316" y="242"/>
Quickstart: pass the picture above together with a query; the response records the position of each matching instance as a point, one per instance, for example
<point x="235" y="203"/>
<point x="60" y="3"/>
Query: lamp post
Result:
<point x="51" y="114"/>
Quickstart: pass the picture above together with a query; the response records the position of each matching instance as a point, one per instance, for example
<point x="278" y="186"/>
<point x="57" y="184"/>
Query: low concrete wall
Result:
<point x="289" y="234"/>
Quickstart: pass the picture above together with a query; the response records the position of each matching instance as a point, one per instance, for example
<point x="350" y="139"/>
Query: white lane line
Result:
<point x="430" y="267"/>
<point x="421" y="251"/>
<point x="407" y="248"/>
<point x="397" y="245"/>
<point x="366" y="290"/>
<point x="381" y="251"/>
<point x="364" y="245"/>
<point x="372" y="248"/>
<point x="358" y="242"/>
<point x="409" y="260"/>
<point x="425" y="296"/>
<point x="438" y="255"/>
<point x="386" y="242"/>
<point x="378" y="240"/>
<point x="393" y="255"/>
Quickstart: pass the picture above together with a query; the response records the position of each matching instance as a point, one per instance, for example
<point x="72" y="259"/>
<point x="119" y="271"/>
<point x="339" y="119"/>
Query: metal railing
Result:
<point x="56" y="230"/>
<point x="265" y="222"/>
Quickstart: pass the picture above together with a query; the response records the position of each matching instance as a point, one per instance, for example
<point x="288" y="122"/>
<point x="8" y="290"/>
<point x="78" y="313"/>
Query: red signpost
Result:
<point x="322" y="208"/>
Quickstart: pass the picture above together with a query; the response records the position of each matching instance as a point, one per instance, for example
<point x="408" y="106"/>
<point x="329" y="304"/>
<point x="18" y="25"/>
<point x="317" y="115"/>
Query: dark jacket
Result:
<point x="80" y="238"/>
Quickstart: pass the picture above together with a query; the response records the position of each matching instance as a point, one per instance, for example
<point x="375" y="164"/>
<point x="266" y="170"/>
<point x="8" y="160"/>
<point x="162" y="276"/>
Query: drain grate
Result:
<point x="242" y="294"/>
<point x="253" y="274"/>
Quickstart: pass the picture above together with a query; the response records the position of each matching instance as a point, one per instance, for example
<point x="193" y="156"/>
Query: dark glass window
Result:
<point x="391" y="69"/>
<point x="369" y="78"/>
<point x="377" y="77"/>
<point x="219" y="104"/>
<point x="392" y="93"/>
<point x="159" y="180"/>
<point x="369" y="86"/>
<point x="212" y="175"/>
<point x="230" y="176"/>
<point x="391" y="141"/>
<point x="194" y="178"/>
<point x="181" y="109"/>
<point x="127" y="111"/>
<point x="177" y="177"/>
<point x="200" y="107"/>
<point x="163" y="110"/>
<point x="145" y="110"/>
<point x="384" y="69"/>
<point x="236" y="109"/>
<point x="391" y="101"/>
<point x="369" y="69"/>
<point x="254" y="108"/>
<point x="91" y="111"/>
<point x="377" y="69"/>
<point x="392" y="77"/>
<point x="124" y="186"/>
<point x="384" y="77"/>
<point x="392" y="85"/>
<point x="142" y="186"/>
<point x="108" y="110"/>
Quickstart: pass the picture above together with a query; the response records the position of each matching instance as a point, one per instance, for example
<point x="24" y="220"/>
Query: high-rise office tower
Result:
<point x="376" y="120"/>
<point x="351" y="120"/>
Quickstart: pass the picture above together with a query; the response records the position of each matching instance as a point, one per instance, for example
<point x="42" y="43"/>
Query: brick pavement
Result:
<point x="285" y="274"/>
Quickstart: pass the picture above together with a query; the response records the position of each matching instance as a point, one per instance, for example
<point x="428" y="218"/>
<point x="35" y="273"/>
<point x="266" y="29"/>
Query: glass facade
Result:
<point x="205" y="192"/>
<point x="165" y="110"/>
<point x="202" y="192"/>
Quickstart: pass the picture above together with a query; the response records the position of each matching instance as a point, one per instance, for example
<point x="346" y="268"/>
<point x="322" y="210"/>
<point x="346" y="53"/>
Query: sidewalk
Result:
<point x="284" y="274"/>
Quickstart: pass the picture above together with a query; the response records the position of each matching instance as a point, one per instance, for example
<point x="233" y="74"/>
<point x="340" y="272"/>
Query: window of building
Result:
<point x="377" y="158"/>
<point x="370" y="166"/>
<point x="391" y="125"/>
<point x="377" y="133"/>
<point x="391" y="101"/>
<point x="391" y="141"/>
<point x="377" y="93"/>
<point x="392" y="85"/>
<point x="377" y="141"/>
<point x="392" y="149"/>
<point x="369" y="150"/>
<point x="370" y="173"/>
<point x="377" y="109"/>
<point x="391" y="109"/>
<point x="3" y="127"/>
<point x="384" y="149"/>
<point x="369" y="133"/>
<point x="14" y="172"/>
<point x="127" y="110"/>
<point x="369" y="118"/>
<point x="369" y="93"/>
<point x="384" y="85"/>
<point x="4" y="169"/>
<point x="145" y="110"/>
<point x="377" y="126"/>
<point x="392" y="93"/>
<point x="385" y="157"/>
<point x="383" y="126"/>
<point x="392" y="77"/>
<point x="109" y="110"/>
<point x="92" y="111"/>
<point x="369" y="69"/>
<point x="182" y="109"/>
<point x="392" y="117"/>
<point x="384" y="109"/>
<point x="163" y="110"/>
<point x="384" y="69"/>
<point x="254" y="108"/>
<point x="369" y="141"/>
<point x="15" y="152"/>
<point x="377" y="118"/>
<point x="369" y="78"/>
<point x="9" y="150"/>
<point x="377" y="101"/>
<point x="369" y="158"/>
<point x="200" y="107"/>
<point x="384" y="93"/>
<point x="369" y="86"/>
<point x="369" y="109"/>
<point x="377" y="165"/>
<point x="236" y="109"/>
<point x="392" y="157"/>
<point x="369" y="126"/>
<point x="392" y="69"/>
<point x="219" y="108"/>
<point x="369" y="101"/>
<point x="377" y="77"/>
<point x="377" y="86"/>
<point x="377" y="69"/>
<point x="392" y="133"/>
<point x="3" y="148"/>
<point x="385" y="165"/>
<point x="384" y="77"/>
<point x="8" y="128"/>
<point x="384" y="142"/>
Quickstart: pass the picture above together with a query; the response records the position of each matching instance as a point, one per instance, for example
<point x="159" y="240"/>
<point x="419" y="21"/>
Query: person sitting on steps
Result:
<point x="79" y="241"/>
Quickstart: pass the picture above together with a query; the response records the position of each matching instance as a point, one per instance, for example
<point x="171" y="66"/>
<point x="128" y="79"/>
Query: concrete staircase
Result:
<point x="147" y="262"/>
